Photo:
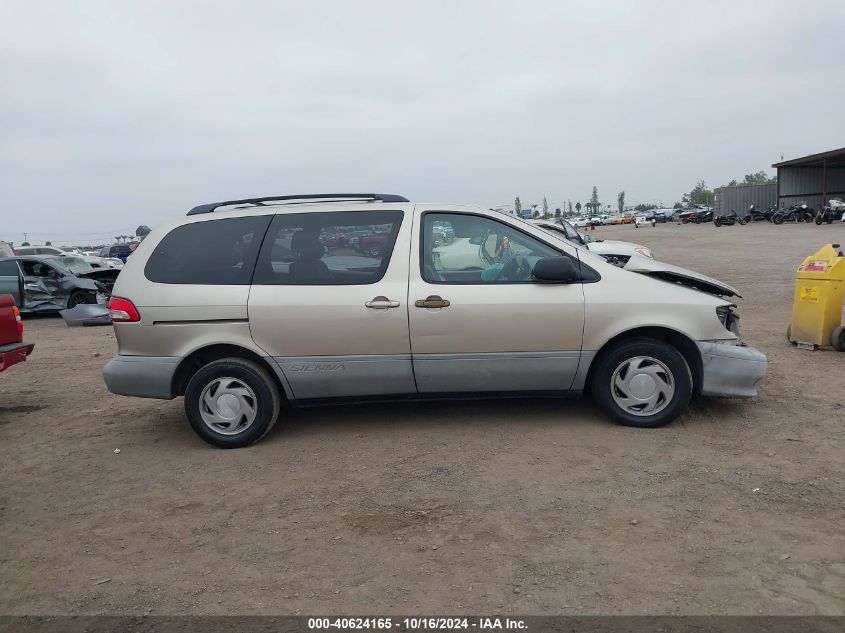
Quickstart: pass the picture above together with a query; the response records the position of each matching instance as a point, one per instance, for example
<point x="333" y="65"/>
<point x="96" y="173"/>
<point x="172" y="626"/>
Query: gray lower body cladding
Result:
<point x="732" y="371"/>
<point x="141" y="376"/>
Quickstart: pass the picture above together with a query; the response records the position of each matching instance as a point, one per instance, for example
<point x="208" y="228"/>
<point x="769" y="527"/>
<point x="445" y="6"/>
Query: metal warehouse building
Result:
<point x="812" y="179"/>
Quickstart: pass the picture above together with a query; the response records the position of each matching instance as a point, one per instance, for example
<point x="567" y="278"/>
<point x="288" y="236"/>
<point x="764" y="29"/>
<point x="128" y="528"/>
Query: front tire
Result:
<point x="717" y="221"/>
<point x="232" y="402"/>
<point x="837" y="339"/>
<point x="78" y="297"/>
<point x="642" y="382"/>
<point x="777" y="218"/>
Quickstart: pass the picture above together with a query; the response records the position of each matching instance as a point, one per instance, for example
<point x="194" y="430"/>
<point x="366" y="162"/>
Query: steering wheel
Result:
<point x="517" y="269"/>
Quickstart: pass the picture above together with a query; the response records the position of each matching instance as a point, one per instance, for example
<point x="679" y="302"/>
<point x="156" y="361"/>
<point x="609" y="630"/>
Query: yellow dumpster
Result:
<point x="817" y="306"/>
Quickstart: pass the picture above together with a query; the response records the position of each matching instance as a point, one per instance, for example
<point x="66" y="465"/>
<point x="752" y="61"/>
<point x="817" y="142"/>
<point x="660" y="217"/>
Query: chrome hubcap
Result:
<point x="227" y="406"/>
<point x="642" y="386"/>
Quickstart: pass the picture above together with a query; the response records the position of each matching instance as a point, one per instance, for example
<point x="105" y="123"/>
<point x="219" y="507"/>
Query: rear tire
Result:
<point x="777" y="218"/>
<point x="232" y="402"/>
<point x="742" y="221"/>
<point x="642" y="382"/>
<point x="717" y="221"/>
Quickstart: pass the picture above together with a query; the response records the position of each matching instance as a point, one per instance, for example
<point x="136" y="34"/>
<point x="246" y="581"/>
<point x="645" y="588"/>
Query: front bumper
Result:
<point x="732" y="371"/>
<point x="14" y="353"/>
<point x="141" y="376"/>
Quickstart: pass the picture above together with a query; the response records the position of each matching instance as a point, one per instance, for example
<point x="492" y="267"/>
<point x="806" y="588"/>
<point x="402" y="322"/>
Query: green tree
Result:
<point x="733" y="183"/>
<point x="700" y="194"/>
<point x="48" y="243"/>
<point x="569" y="206"/>
<point x="578" y="207"/>
<point x="557" y="212"/>
<point x="677" y="205"/>
<point x="545" y="207"/>
<point x="759" y="178"/>
<point x="517" y="206"/>
<point x="595" y="205"/>
<point x="620" y="202"/>
<point x="645" y="207"/>
<point x="24" y="243"/>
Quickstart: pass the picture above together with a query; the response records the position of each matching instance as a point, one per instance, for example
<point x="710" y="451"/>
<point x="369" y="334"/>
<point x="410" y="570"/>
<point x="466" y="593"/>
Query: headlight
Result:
<point x="730" y="319"/>
<point x="643" y="251"/>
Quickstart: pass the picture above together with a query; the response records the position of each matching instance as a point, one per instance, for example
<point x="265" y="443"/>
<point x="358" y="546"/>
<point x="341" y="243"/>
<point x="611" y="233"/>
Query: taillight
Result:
<point x="122" y="310"/>
<point x="18" y="321"/>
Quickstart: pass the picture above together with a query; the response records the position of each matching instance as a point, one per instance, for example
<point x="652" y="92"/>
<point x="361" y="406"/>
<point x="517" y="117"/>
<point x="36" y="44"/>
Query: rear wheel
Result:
<point x="742" y="221"/>
<point x="777" y="218"/>
<point x="717" y="221"/>
<point x="642" y="382"/>
<point x="232" y="402"/>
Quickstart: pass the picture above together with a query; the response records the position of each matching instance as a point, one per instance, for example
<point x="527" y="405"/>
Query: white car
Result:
<point x="582" y="222"/>
<point x="101" y="262"/>
<point x="614" y="251"/>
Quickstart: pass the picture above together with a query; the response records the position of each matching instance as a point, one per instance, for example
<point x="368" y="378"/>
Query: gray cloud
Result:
<point x="115" y="114"/>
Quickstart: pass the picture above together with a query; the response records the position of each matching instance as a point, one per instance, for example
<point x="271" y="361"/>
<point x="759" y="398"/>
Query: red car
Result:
<point x="12" y="348"/>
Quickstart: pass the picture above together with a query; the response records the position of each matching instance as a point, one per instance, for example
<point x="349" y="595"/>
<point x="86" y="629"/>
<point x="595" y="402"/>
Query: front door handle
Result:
<point x="432" y="301"/>
<point x="381" y="303"/>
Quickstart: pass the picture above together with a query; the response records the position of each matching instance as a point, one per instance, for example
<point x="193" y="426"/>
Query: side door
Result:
<point x="478" y="321"/>
<point x="11" y="280"/>
<point x="332" y="314"/>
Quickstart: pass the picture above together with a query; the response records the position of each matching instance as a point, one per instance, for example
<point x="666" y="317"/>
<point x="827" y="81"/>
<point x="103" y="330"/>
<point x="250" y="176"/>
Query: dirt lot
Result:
<point x="525" y="507"/>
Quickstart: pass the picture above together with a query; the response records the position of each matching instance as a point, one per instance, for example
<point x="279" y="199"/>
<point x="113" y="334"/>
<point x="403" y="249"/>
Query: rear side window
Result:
<point x="9" y="269"/>
<point x="327" y="249"/>
<point x="215" y="252"/>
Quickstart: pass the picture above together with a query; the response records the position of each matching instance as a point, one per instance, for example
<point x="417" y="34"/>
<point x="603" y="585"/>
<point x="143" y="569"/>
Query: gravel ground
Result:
<point x="511" y="506"/>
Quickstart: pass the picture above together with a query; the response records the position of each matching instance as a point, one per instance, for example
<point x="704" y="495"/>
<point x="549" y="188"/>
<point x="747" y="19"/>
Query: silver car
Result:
<point x="244" y="304"/>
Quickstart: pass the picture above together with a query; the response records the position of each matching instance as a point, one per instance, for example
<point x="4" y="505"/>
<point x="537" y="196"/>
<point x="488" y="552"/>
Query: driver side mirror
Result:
<point x="559" y="269"/>
<point x="587" y="239"/>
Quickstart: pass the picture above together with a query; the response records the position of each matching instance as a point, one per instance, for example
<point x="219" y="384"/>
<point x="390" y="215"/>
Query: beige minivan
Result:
<point x="243" y="304"/>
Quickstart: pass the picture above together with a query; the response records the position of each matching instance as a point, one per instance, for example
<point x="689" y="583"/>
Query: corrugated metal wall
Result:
<point x="740" y="197"/>
<point x="805" y="184"/>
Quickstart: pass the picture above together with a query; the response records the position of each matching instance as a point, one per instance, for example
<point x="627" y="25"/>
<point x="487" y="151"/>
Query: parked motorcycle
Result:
<point x="729" y="220"/>
<point x="831" y="212"/>
<point x="756" y="215"/>
<point x="795" y="213"/>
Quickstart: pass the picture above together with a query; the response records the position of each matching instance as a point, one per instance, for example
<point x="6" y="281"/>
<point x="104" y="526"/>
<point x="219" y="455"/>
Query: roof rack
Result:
<point x="382" y="197"/>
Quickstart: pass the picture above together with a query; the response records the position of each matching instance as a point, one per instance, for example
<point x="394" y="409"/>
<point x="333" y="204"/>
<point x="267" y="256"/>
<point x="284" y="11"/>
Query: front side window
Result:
<point x="464" y="248"/>
<point x="327" y="249"/>
<point x="33" y="268"/>
<point x="213" y="252"/>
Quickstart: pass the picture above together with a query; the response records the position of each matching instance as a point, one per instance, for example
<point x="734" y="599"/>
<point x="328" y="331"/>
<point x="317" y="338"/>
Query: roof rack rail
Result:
<point x="383" y="197"/>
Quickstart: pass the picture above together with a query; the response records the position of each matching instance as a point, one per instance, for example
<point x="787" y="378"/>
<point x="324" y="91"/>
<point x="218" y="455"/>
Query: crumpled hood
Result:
<point x="683" y="276"/>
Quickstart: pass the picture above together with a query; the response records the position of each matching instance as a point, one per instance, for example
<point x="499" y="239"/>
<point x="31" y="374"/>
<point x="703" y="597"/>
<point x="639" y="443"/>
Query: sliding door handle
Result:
<point x="381" y="303"/>
<point x="432" y="301"/>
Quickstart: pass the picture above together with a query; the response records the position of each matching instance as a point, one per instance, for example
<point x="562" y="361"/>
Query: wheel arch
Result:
<point x="197" y="359"/>
<point x="680" y="341"/>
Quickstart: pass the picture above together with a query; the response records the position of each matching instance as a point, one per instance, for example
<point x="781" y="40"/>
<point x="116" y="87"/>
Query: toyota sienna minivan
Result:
<point x="242" y="305"/>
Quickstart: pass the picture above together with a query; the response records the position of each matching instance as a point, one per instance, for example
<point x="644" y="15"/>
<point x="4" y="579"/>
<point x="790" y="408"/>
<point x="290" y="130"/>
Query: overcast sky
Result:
<point x="120" y="113"/>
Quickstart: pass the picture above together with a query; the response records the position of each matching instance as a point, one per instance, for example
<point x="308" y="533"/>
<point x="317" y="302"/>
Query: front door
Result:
<point x="10" y="280"/>
<point x="328" y="302"/>
<point x="478" y="321"/>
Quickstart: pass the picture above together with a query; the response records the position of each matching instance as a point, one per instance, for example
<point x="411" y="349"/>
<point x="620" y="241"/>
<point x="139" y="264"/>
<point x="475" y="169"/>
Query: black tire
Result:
<point x="78" y="297"/>
<point x="607" y="365"/>
<point x="748" y="218"/>
<point x="742" y="221"/>
<point x="819" y="220"/>
<point x="266" y="402"/>
<point x="777" y="218"/>
<point x="717" y="221"/>
<point x="837" y="339"/>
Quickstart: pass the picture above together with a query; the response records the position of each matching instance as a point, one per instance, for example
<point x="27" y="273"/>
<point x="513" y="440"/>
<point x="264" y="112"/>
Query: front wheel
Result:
<point x="777" y="218"/>
<point x="232" y="402"/>
<point x="642" y="382"/>
<point x="819" y="220"/>
<point x="742" y="221"/>
<point x="78" y="297"/>
<point x="717" y="221"/>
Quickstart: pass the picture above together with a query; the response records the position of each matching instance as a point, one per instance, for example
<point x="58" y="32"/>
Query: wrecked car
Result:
<point x="239" y="310"/>
<point x="46" y="284"/>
